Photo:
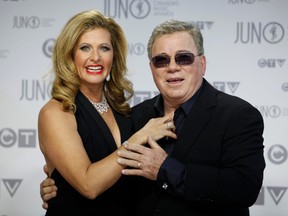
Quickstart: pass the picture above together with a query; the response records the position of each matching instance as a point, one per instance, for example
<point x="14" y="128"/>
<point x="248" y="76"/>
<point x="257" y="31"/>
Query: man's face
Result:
<point x="177" y="83"/>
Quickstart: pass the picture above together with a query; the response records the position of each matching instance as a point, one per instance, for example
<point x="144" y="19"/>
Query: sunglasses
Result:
<point x="161" y="61"/>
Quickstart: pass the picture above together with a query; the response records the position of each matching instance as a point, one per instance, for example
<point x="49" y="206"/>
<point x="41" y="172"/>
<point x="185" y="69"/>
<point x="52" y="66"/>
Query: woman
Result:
<point x="82" y="127"/>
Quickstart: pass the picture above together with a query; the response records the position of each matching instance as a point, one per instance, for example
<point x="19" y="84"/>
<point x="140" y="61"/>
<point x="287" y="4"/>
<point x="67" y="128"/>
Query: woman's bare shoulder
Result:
<point x="53" y="109"/>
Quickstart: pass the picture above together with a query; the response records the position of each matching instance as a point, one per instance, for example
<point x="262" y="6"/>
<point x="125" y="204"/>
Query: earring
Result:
<point x="108" y="77"/>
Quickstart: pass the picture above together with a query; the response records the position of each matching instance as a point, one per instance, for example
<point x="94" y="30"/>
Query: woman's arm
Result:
<point x="63" y="149"/>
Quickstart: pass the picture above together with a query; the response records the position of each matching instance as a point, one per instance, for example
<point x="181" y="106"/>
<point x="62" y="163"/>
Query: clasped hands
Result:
<point x="143" y="160"/>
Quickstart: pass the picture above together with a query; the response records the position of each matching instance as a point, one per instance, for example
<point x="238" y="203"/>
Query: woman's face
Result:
<point x="93" y="58"/>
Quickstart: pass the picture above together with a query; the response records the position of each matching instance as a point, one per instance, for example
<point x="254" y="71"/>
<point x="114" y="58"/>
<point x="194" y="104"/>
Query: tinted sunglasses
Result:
<point x="161" y="61"/>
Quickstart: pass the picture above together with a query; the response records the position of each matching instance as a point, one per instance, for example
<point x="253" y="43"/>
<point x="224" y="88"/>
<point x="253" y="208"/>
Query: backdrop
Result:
<point x="245" y="45"/>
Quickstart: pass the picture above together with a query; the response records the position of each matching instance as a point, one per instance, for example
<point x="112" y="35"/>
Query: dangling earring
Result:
<point x="108" y="77"/>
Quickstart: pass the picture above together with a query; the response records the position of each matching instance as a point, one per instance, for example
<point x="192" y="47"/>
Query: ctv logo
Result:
<point x="26" y="138"/>
<point x="221" y="86"/>
<point x="12" y="185"/>
<point x="276" y="193"/>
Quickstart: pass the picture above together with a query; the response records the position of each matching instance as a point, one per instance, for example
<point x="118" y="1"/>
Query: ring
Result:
<point x="138" y="164"/>
<point x="169" y="125"/>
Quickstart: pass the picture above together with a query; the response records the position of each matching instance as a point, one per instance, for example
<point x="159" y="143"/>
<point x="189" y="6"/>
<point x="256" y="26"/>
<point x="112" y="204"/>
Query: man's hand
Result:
<point x="141" y="160"/>
<point x="48" y="189"/>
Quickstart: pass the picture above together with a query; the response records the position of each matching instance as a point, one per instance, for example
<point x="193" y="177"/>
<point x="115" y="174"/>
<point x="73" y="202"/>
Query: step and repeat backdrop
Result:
<point x="246" y="45"/>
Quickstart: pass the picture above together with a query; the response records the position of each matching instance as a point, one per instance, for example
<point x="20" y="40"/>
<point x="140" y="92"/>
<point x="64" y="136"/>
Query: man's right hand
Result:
<point x="48" y="189"/>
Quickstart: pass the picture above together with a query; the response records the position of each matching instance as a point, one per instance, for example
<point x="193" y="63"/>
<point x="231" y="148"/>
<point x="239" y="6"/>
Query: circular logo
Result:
<point x="274" y="111"/>
<point x="34" y="22"/>
<point x="285" y="87"/>
<point x="7" y="137"/>
<point x="138" y="49"/>
<point x="262" y="63"/>
<point x="277" y="154"/>
<point x="48" y="47"/>
<point x="140" y="8"/>
<point x="273" y="32"/>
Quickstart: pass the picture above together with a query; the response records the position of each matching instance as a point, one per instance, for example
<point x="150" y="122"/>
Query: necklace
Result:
<point x="102" y="106"/>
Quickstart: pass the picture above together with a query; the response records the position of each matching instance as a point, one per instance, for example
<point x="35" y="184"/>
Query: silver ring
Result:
<point x="169" y="125"/>
<point x="138" y="164"/>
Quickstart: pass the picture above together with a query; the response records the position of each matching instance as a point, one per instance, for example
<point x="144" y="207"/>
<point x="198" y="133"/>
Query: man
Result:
<point x="216" y="165"/>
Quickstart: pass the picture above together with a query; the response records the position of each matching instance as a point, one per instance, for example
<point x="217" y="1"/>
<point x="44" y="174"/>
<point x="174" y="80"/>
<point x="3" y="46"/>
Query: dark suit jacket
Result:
<point x="221" y="145"/>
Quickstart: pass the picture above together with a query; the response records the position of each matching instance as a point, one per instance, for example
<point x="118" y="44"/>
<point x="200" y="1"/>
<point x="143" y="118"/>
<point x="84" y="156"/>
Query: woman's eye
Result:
<point x="105" y="48"/>
<point x="85" y="48"/>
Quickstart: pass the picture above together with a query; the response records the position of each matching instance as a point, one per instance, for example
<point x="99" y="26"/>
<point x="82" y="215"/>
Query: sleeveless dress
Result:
<point x="99" y="143"/>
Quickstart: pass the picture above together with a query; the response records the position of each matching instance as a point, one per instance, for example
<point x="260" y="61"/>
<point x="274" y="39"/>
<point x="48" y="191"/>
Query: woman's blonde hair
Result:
<point x="118" y="90"/>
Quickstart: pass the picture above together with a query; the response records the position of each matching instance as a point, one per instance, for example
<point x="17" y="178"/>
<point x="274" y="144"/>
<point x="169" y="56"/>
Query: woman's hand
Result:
<point x="157" y="128"/>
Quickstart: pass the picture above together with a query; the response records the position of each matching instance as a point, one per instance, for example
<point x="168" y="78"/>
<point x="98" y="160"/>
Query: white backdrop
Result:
<point x="246" y="47"/>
